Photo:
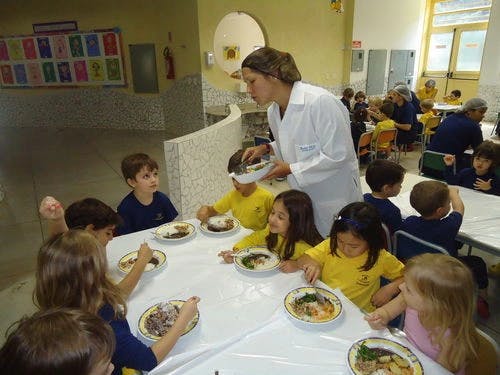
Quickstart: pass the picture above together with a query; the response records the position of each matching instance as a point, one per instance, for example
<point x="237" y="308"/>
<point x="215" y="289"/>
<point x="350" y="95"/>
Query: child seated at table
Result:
<point x="385" y="177"/>
<point x="374" y="104"/>
<point x="385" y="123"/>
<point x="98" y="219"/>
<point x="290" y="232"/>
<point x="249" y="203"/>
<point x="144" y="207"/>
<point x="431" y="199"/>
<point x="59" y="341"/>
<point x="453" y="98"/>
<point x="71" y="272"/>
<point x="347" y="95"/>
<point x="358" y="125"/>
<point x="481" y="176"/>
<point x="353" y="258"/>
<point x="360" y="100"/>
<point x="437" y="297"/>
<point x="427" y="108"/>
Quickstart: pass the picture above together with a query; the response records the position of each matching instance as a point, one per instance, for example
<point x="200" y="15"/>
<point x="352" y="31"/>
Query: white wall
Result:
<point x="387" y="24"/>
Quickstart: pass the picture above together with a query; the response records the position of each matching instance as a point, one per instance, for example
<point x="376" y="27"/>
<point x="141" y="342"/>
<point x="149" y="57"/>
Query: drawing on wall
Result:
<point x="231" y="52"/>
<point x="65" y="59"/>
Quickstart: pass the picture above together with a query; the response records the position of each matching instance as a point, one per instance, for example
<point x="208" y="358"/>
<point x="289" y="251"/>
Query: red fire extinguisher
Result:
<point x="169" y="63"/>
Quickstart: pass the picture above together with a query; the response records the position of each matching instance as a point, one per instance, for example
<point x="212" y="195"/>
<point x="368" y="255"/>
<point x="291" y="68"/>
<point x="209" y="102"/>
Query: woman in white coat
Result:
<point x="313" y="142"/>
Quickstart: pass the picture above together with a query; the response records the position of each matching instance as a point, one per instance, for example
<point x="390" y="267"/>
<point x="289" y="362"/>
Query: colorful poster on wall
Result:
<point x="60" y="47"/>
<point x="49" y="73"/>
<point x="62" y="59"/>
<point x="231" y="52"/>
<point x="29" y="48"/>
<point x="75" y="43"/>
<point x="4" y="53"/>
<point x="7" y="76"/>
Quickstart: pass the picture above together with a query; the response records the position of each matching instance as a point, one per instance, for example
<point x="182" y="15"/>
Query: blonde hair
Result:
<point x="427" y="103"/>
<point x="375" y="101"/>
<point x="71" y="272"/>
<point x="447" y="286"/>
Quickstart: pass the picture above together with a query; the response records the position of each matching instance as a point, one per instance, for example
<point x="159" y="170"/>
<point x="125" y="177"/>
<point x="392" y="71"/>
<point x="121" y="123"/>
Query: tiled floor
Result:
<point x="72" y="164"/>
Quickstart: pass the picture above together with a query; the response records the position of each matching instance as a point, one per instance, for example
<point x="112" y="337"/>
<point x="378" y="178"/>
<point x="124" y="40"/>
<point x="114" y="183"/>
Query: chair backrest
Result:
<point x="388" y="238"/>
<point x="363" y="144"/>
<point x="487" y="360"/>
<point x="386" y="136"/>
<point x="407" y="246"/>
<point x="432" y="122"/>
<point x="432" y="164"/>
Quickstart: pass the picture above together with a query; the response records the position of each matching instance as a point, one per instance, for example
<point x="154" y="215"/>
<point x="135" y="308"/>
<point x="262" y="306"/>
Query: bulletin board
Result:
<point x="62" y="59"/>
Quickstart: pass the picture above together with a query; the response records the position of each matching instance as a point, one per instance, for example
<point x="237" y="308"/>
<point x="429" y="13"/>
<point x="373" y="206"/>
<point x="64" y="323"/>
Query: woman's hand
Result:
<point x="227" y="255"/>
<point x="288" y="266"/>
<point x="51" y="209"/>
<point x="252" y="153"/>
<point x="449" y="160"/>
<point x="280" y="169"/>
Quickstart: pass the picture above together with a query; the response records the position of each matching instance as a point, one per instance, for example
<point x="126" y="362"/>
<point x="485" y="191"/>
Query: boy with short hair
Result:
<point x="385" y="123"/>
<point x="360" y="100"/>
<point x="384" y="177"/>
<point x="144" y="207"/>
<point x="453" y="98"/>
<point x="431" y="199"/>
<point x="250" y="204"/>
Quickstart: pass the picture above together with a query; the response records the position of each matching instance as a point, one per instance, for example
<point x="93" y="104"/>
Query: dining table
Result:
<point x="444" y="108"/>
<point x="243" y="326"/>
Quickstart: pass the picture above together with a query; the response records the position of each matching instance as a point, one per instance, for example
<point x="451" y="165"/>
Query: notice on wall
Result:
<point x="356" y="44"/>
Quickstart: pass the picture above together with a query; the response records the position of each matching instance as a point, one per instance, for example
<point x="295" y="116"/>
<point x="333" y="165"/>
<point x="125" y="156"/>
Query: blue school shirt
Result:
<point x="388" y="211"/>
<point x="441" y="232"/>
<point x="138" y="217"/>
<point x="360" y="105"/>
<point x="467" y="177"/>
<point x="405" y="115"/>
<point x="129" y="351"/>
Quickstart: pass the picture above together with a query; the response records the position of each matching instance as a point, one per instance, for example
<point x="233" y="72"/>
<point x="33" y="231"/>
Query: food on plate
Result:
<point x="309" y="309"/>
<point x="162" y="319"/>
<point x="255" y="167"/>
<point x="255" y="261"/>
<point x="182" y="231"/>
<point x="215" y="224"/>
<point x="126" y="265"/>
<point x="379" y="361"/>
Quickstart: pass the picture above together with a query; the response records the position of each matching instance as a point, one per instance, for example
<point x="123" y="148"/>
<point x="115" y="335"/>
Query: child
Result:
<point x="453" y="98"/>
<point x="347" y="95"/>
<point x="98" y="219"/>
<point x="353" y="258"/>
<point x="359" y="100"/>
<point x="482" y="175"/>
<point x="386" y="112"/>
<point x="385" y="177"/>
<point x="437" y="296"/>
<point x="428" y="91"/>
<point x="427" y="108"/>
<point x="71" y="272"/>
<point x="144" y="207"/>
<point x="59" y="341"/>
<point x="374" y="104"/>
<point x="358" y="125"/>
<point x="290" y="231"/>
<point x="431" y="199"/>
<point x="249" y="203"/>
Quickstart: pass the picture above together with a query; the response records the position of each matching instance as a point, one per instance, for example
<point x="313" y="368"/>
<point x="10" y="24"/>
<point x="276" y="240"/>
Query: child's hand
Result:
<point x="51" y="209"/>
<point x="482" y="184"/>
<point x="203" y="214"/>
<point x="145" y="253"/>
<point x="227" y="255"/>
<point x="375" y="321"/>
<point x="449" y="160"/>
<point x="288" y="266"/>
<point x="383" y="295"/>
<point x="312" y="272"/>
<point x="188" y="310"/>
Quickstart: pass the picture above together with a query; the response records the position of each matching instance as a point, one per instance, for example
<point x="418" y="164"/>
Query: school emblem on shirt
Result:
<point x="363" y="280"/>
<point x="159" y="217"/>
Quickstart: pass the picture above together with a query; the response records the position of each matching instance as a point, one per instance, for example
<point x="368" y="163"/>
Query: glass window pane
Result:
<point x="454" y="5"/>
<point x="470" y="51"/>
<point x="461" y="18"/>
<point x="438" y="57"/>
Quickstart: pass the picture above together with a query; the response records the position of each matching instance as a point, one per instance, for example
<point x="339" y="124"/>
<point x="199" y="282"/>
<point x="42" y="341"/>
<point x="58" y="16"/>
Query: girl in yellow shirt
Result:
<point x="429" y="90"/>
<point x="290" y="230"/>
<point x="353" y="258"/>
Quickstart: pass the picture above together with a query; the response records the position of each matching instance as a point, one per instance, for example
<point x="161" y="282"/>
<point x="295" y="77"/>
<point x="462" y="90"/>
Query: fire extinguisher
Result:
<point x="169" y="63"/>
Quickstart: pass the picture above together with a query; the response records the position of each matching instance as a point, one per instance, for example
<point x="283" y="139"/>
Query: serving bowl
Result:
<point x="253" y="173"/>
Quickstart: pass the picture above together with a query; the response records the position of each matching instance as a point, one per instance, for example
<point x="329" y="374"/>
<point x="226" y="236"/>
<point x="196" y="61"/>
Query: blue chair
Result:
<point x="407" y="246"/>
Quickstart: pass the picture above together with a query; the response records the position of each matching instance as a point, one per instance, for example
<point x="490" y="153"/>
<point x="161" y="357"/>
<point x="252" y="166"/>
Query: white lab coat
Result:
<point x="314" y="137"/>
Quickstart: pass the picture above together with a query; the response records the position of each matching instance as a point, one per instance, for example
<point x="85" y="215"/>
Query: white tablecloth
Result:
<point x="243" y="327"/>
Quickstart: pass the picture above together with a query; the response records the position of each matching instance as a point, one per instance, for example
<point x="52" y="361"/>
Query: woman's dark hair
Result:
<point x="270" y="61"/>
<point x="360" y="115"/>
<point x="301" y="217"/>
<point x="363" y="221"/>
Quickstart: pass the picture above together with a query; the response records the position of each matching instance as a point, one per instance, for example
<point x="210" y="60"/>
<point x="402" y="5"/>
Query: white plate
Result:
<point x="335" y="305"/>
<point x="253" y="172"/>
<point x="220" y="220"/>
<point x="169" y="231"/>
<point x="126" y="262"/>
<point x="272" y="262"/>
<point x="145" y="334"/>
<point x="379" y="342"/>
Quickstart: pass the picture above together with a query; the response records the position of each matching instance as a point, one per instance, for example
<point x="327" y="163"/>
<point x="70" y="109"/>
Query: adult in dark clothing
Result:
<point x="460" y="131"/>
<point x="415" y="102"/>
<point x="404" y="115"/>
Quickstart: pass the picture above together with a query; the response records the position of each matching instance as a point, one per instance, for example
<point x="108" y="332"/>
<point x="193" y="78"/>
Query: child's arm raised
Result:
<point x="206" y="212"/>
<point x="312" y="269"/>
<point x="163" y="346"/>
<point x="383" y="315"/>
<point x="456" y="202"/>
<point x="52" y="210"/>
<point x="129" y="282"/>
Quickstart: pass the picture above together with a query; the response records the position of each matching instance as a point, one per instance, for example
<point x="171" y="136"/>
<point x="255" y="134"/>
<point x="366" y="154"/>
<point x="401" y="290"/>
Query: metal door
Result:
<point x="401" y="67"/>
<point x="377" y="61"/>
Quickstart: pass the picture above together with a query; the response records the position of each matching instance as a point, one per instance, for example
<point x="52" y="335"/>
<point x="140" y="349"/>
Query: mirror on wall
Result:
<point x="236" y="36"/>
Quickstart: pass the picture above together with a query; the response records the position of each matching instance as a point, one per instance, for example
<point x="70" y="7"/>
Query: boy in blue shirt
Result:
<point x="144" y="207"/>
<point x="384" y="177"/>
